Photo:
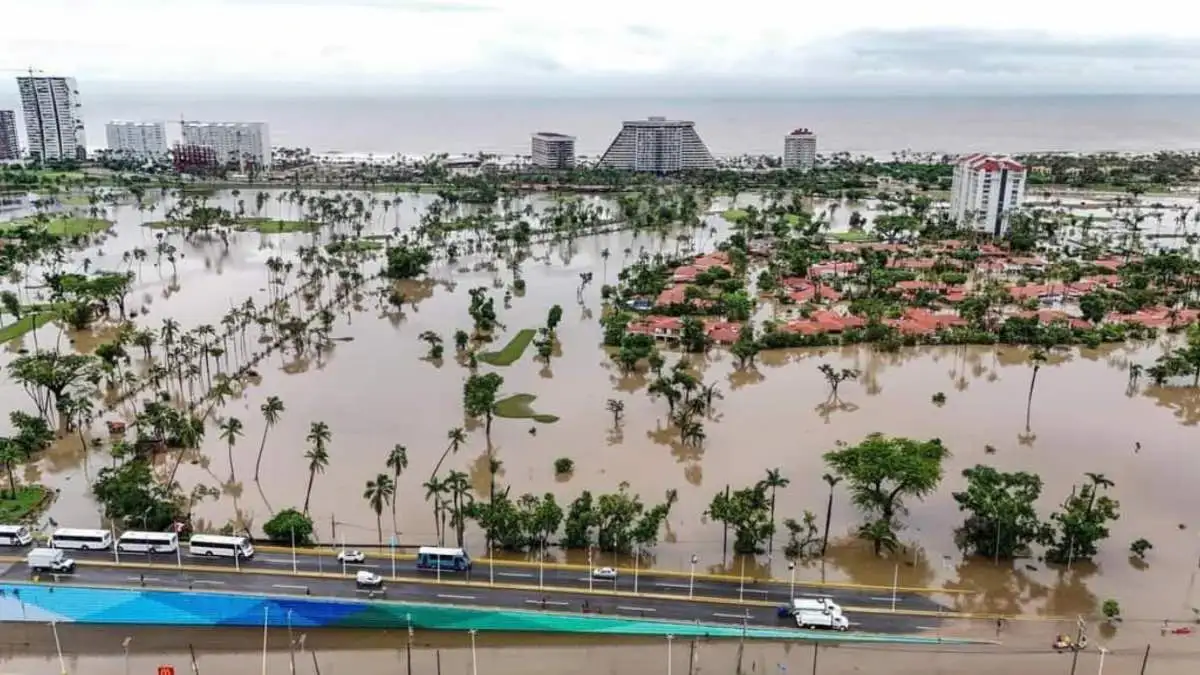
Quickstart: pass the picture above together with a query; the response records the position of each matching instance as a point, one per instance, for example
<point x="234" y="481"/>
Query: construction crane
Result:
<point x="30" y="70"/>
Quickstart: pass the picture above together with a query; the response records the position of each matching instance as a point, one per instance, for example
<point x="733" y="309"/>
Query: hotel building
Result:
<point x="553" y="151"/>
<point x="659" y="145"/>
<point x="800" y="150"/>
<point x="235" y="143"/>
<point x="53" y="117"/>
<point x="985" y="192"/>
<point x="137" y="140"/>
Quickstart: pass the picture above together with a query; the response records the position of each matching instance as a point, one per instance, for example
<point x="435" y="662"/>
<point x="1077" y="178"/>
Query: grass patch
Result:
<point x="62" y="227"/>
<point x="354" y="246"/>
<point x="511" y="352"/>
<point x="27" y="323"/>
<point x="29" y="503"/>
<point x="260" y="225"/>
<point x="520" y="407"/>
<point x="735" y="216"/>
<point x="852" y="236"/>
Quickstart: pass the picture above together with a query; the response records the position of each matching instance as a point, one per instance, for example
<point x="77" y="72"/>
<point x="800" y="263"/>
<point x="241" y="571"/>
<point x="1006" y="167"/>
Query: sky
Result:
<point x="672" y="47"/>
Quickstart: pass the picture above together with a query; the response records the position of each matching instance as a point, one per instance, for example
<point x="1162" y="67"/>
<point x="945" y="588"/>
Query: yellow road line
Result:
<point x="727" y="578"/>
<point x="203" y="569"/>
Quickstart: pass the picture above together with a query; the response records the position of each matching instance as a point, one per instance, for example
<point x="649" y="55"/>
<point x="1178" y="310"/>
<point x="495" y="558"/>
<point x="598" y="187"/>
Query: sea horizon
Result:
<point x="859" y="124"/>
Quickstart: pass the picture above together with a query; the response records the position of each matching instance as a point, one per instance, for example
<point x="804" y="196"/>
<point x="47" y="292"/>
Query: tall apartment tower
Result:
<point x="234" y="142"/>
<point x="137" y="140"/>
<point x="659" y="145"/>
<point x="53" y="117"/>
<point x="553" y="151"/>
<point x="800" y="150"/>
<point x="10" y="148"/>
<point x="985" y="192"/>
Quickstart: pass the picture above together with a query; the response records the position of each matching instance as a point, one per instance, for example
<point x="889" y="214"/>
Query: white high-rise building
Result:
<point x="553" y="151"/>
<point x="985" y="192"/>
<point x="659" y="145"/>
<point x="10" y="147"/>
<point x="137" y="140"/>
<point x="236" y="143"/>
<point x="53" y="117"/>
<point x="800" y="150"/>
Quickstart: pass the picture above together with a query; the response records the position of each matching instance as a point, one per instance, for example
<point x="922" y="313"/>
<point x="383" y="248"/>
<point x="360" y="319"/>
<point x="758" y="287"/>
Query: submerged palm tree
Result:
<point x="317" y="456"/>
<point x="271" y="411"/>
<point x="775" y="479"/>
<point x="457" y="437"/>
<point x="231" y="429"/>
<point x="397" y="461"/>
<point x="379" y="492"/>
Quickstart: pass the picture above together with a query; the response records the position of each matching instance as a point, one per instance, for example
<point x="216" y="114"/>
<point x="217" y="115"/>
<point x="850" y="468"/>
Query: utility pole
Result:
<point x="1079" y="636"/>
<point x="816" y="650"/>
<point x="725" y="532"/>
<point x="692" y="658"/>
<point x="1145" y="660"/>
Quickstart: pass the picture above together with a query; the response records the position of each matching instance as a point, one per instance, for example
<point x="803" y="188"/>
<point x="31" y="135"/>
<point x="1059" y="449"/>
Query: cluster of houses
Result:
<point x="815" y="289"/>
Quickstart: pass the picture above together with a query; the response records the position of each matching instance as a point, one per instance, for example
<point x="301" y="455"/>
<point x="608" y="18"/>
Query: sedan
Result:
<point x="607" y="573"/>
<point x="345" y="556"/>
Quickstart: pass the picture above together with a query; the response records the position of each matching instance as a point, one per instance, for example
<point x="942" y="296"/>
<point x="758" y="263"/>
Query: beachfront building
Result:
<point x="659" y="145"/>
<point x="235" y="143"/>
<point x="800" y="150"/>
<point x="195" y="159"/>
<point x="552" y="150"/>
<point x="137" y="140"/>
<point x="10" y="148"/>
<point x="53" y="117"/>
<point x="986" y="191"/>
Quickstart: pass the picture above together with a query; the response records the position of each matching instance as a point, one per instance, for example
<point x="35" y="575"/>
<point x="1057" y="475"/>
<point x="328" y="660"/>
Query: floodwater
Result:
<point x="377" y="391"/>
<point x="30" y="650"/>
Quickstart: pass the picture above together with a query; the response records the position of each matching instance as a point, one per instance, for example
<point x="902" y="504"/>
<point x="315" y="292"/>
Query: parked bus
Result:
<point x="84" y="540"/>
<point x="434" y="558"/>
<point x="148" y="542"/>
<point x="211" y="544"/>
<point x="15" y="535"/>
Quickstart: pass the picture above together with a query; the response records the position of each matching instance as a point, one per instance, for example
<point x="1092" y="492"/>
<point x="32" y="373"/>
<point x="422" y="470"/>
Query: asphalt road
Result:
<point x="229" y="580"/>
<point x="550" y="576"/>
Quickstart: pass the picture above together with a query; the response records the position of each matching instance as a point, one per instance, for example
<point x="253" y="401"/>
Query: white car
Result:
<point x="345" y="556"/>
<point x="607" y="573"/>
<point x="365" y="579"/>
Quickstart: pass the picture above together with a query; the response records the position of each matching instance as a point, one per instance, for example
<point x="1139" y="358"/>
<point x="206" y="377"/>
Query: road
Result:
<point x="229" y="580"/>
<point x="558" y="576"/>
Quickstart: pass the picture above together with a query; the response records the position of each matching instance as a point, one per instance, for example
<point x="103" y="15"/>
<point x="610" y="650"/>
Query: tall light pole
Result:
<point x="1100" y="670"/>
<point x="692" y="575"/>
<point x="670" y="639"/>
<point x="792" y="572"/>
<point x="637" y="554"/>
<point x="125" y="652"/>
<point x="591" y="575"/>
<point x="62" y="663"/>
<point x="474" y="663"/>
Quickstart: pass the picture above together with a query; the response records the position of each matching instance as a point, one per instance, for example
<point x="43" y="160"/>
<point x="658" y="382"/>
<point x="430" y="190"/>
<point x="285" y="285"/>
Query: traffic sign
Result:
<point x="166" y="670"/>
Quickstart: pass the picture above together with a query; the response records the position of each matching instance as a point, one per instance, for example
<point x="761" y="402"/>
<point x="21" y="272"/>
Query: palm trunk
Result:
<point x="261" y="447"/>
<point x="1029" y="399"/>
<point x="395" y="529"/>
<point x="771" y="537"/>
<point x="232" y="475"/>
<point x="12" y="480"/>
<point x="312" y="474"/>
<point x="828" y="515"/>
<point x="379" y="524"/>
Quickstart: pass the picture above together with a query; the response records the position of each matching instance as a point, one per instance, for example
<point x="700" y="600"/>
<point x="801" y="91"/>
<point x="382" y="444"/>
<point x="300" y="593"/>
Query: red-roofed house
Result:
<point x="723" y="332"/>
<point x="656" y="326"/>
<point x="833" y="269"/>
<point x="1049" y="316"/>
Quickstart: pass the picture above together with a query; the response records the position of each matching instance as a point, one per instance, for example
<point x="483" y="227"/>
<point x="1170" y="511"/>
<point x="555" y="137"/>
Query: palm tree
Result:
<point x="1036" y="359"/>
<point x="459" y="487"/>
<point x="434" y="488"/>
<point x="317" y="456"/>
<point x="1099" y="480"/>
<point x="379" y="493"/>
<point x="397" y="461"/>
<point x="271" y="411"/>
<point x="457" y="437"/>
<point x="881" y="535"/>
<point x="775" y="479"/>
<point x="231" y="429"/>
<point x="831" y="480"/>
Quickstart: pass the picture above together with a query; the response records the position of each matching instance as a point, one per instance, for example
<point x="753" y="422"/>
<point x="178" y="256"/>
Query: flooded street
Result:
<point x="376" y="391"/>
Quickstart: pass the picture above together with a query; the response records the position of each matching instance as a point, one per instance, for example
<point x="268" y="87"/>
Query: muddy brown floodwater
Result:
<point x="376" y="391"/>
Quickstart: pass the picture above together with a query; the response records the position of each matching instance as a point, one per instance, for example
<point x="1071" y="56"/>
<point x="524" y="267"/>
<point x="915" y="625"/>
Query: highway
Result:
<point x="511" y="585"/>
<point x="674" y="584"/>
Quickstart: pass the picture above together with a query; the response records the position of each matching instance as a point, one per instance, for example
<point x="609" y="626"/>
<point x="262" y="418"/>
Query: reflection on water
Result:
<point x="375" y="391"/>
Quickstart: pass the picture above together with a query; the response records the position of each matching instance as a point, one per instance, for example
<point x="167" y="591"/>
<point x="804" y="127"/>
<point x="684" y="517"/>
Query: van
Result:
<point x="15" y="535"/>
<point x="815" y="605"/>
<point x="819" y="619"/>
<point x="49" y="560"/>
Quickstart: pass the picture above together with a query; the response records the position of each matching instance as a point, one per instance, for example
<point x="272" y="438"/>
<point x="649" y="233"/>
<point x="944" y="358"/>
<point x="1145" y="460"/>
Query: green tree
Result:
<point x="748" y="513"/>
<point x="1094" y="306"/>
<point x="553" y="318"/>
<point x="397" y="461"/>
<point x="272" y="409"/>
<point x="379" y="493"/>
<point x="745" y="349"/>
<point x="881" y="472"/>
<point x="289" y="523"/>
<point x="479" y="399"/>
<point x="231" y="430"/>
<point x="692" y="336"/>
<point x="1002" y="519"/>
<point x="130" y="494"/>
<point x="10" y="456"/>
<point x="835" y="378"/>
<point x="775" y="479"/>
<point x="457" y="437"/>
<point x="1082" y="521"/>
<point x="319" y="437"/>
<point x="46" y="376"/>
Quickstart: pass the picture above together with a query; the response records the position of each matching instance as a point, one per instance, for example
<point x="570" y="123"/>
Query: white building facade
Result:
<point x="10" y="146"/>
<point x="53" y="117"/>
<point x="800" y="150"/>
<point x="236" y="143"/>
<point x="986" y="191"/>
<point x="550" y="150"/>
<point x="137" y="140"/>
<point x="659" y="145"/>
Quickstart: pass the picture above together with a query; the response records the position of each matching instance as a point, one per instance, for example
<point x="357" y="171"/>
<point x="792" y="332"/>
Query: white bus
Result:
<point x="84" y="540"/>
<point x="148" y="542"/>
<point x="15" y="535"/>
<point x="211" y="544"/>
<point x="434" y="558"/>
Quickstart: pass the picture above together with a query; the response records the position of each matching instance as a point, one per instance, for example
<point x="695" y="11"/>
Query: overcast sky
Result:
<point x="619" y="46"/>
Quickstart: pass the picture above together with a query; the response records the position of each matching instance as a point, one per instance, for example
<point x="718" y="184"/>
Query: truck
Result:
<point x="49" y="560"/>
<point x="822" y="619"/>
<point x="815" y="605"/>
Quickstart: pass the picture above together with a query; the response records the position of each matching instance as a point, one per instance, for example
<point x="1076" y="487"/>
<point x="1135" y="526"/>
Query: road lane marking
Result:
<point x="142" y="579"/>
<point x="885" y="599"/>
<point x="924" y="627"/>
<point x="208" y="581"/>
<point x="673" y="585"/>
<point x="637" y="609"/>
<point x="456" y="597"/>
<point x="733" y="616"/>
<point x="514" y="574"/>
<point x="291" y="587"/>
<point x="556" y="603"/>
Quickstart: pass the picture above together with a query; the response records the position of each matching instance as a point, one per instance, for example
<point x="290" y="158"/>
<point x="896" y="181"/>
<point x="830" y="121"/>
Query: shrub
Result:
<point x="563" y="465"/>
<point x="289" y="523"/>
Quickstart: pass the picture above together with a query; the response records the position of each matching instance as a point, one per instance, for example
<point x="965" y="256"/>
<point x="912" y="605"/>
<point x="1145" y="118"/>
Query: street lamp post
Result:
<point x="125" y="652"/>
<point x="670" y="639"/>
<point x="792" y="585"/>
<point x="692" y="575"/>
<point x="474" y="663"/>
<point x="62" y="663"/>
<point x="1100" y="670"/>
<point x="591" y="576"/>
<point x="637" y="554"/>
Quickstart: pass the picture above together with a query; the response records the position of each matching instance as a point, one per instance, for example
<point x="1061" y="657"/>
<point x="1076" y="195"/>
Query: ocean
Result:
<point x="873" y="126"/>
